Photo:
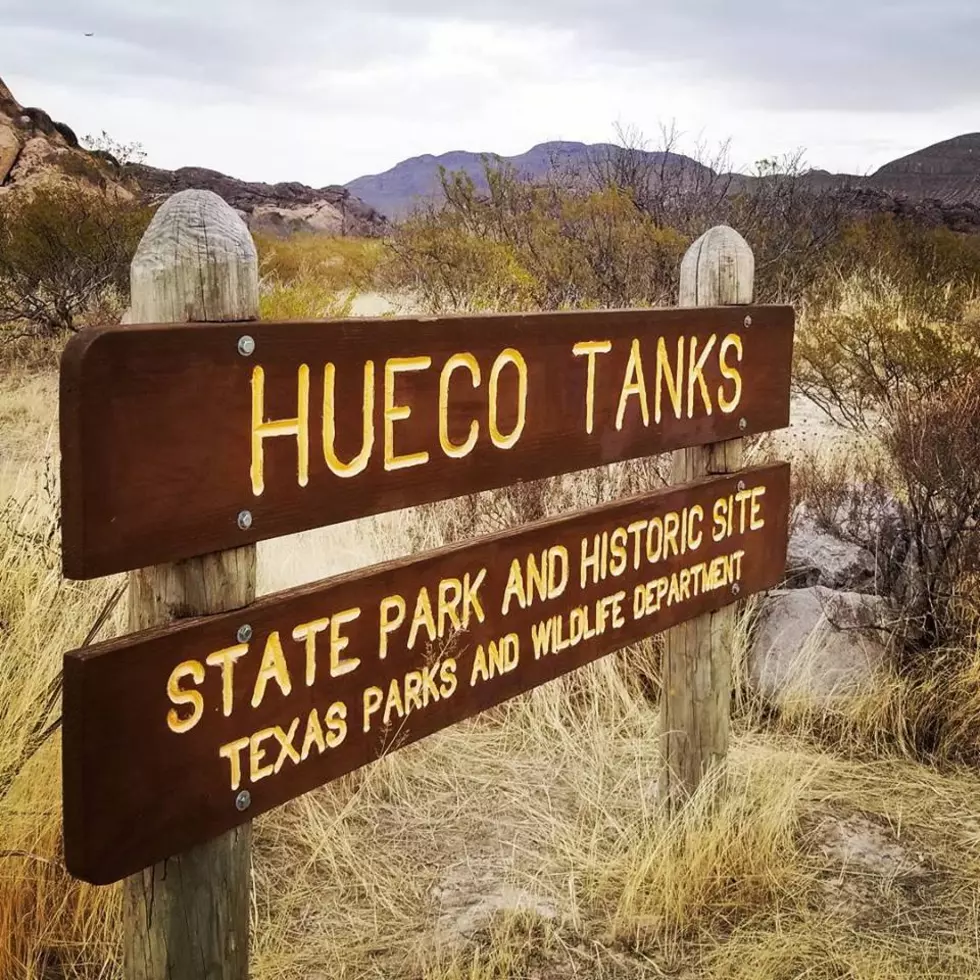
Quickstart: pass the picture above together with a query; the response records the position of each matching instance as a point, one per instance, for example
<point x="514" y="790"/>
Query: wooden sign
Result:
<point x="175" y="735"/>
<point x="178" y="440"/>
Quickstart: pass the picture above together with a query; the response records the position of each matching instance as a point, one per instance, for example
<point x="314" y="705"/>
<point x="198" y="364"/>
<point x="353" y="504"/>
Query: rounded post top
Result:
<point x="717" y="270"/>
<point x="196" y="262"/>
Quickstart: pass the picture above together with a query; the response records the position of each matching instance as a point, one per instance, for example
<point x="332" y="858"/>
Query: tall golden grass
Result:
<point x="528" y="842"/>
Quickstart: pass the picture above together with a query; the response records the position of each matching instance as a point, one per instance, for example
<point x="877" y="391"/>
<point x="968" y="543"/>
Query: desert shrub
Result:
<point x="876" y="345"/>
<point x="305" y="298"/>
<point x="522" y="245"/>
<point x="61" y="251"/>
<point x="335" y="263"/>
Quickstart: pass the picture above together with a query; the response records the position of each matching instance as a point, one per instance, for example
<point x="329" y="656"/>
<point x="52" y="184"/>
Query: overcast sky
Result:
<point x="323" y="91"/>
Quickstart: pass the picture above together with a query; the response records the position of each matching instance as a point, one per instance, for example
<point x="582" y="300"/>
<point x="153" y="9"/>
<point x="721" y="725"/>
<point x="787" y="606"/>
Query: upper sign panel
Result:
<point x="178" y="440"/>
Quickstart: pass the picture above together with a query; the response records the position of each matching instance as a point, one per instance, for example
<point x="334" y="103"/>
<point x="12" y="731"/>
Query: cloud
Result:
<point x="322" y="91"/>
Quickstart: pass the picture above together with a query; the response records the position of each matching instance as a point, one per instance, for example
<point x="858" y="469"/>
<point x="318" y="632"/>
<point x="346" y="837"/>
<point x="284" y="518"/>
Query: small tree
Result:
<point x="63" y="250"/>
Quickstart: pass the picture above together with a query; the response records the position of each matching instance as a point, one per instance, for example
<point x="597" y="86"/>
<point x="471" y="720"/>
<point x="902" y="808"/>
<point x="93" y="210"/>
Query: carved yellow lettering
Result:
<point x="514" y="588"/>
<point x="718" y="513"/>
<point x="633" y="384"/>
<point x="256" y="770"/>
<point x="233" y="753"/>
<point x="673" y="379"/>
<point x="193" y="669"/>
<point x="308" y="632"/>
<point x="447" y="674"/>
<point x="617" y="551"/>
<point x="372" y="698"/>
<point x="298" y="426"/>
<point x="449" y="607"/>
<point x="655" y="528"/>
<point x="471" y="598"/>
<point x="694" y="517"/>
<point x="635" y="529"/>
<point x="480" y="671"/>
<point x="394" y="702"/>
<point x="338" y="665"/>
<point x="423" y="617"/>
<point x="756" y="521"/>
<point x="313" y="736"/>
<point x="450" y="448"/>
<point x="359" y="463"/>
<point x="225" y="659"/>
<point x="672" y="527"/>
<point x="286" y="748"/>
<point x="413" y="691"/>
<point x="391" y="615"/>
<point x="394" y="412"/>
<point x="590" y="348"/>
<point x="505" y="357"/>
<point x="558" y="570"/>
<point x="731" y="342"/>
<point x="273" y="667"/>
<point x="336" y="719"/>
<point x="695" y="375"/>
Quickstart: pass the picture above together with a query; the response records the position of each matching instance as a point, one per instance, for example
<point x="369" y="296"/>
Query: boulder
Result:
<point x="9" y="150"/>
<point x="319" y="218"/>
<point x="817" y="557"/>
<point x="817" y="644"/>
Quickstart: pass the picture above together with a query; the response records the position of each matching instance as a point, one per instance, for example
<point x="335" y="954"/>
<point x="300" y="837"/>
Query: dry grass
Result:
<point x="528" y="842"/>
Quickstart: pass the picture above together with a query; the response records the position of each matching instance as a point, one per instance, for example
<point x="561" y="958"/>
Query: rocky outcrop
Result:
<point x="278" y="209"/>
<point x="816" y="557"/>
<point x="34" y="147"/>
<point x="816" y="644"/>
<point x="9" y="150"/>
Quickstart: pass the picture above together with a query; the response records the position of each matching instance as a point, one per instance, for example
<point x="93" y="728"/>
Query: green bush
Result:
<point x="62" y="251"/>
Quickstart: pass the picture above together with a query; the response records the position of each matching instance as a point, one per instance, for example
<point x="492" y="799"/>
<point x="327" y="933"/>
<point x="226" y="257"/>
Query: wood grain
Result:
<point x="186" y="917"/>
<point x="157" y="447"/>
<point x="718" y="269"/>
<point x="137" y="789"/>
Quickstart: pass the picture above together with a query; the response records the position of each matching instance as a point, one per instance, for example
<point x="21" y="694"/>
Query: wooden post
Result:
<point x="187" y="918"/>
<point x="717" y="270"/>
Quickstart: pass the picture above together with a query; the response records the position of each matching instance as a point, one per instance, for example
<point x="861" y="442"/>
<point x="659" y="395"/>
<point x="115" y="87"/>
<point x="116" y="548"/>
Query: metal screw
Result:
<point x="244" y="633"/>
<point x="736" y="588"/>
<point x="244" y="519"/>
<point x="747" y="321"/>
<point x="740" y="485"/>
<point x="743" y="424"/>
<point x="246" y="345"/>
<point x="244" y="800"/>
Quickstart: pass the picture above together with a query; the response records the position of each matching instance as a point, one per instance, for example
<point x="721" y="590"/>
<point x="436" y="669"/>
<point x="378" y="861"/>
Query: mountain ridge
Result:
<point x="947" y="173"/>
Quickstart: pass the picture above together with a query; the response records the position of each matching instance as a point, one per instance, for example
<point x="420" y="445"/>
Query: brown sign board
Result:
<point x="178" y="440"/>
<point x="165" y="729"/>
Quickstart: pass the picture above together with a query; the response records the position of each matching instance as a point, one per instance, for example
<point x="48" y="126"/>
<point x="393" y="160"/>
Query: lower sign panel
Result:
<point x="168" y="733"/>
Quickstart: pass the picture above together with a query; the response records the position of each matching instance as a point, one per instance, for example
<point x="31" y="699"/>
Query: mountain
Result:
<point x="938" y="185"/>
<point x="35" y="148"/>
<point x="397" y="190"/>
<point x="947" y="172"/>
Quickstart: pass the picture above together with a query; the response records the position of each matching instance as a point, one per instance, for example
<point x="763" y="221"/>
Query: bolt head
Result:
<point x="736" y="588"/>
<point x="740" y="485"/>
<point x="743" y="424"/>
<point x="246" y="345"/>
<point x="747" y="321"/>
<point x="243" y="801"/>
<point x="245" y="519"/>
<point x="244" y="633"/>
